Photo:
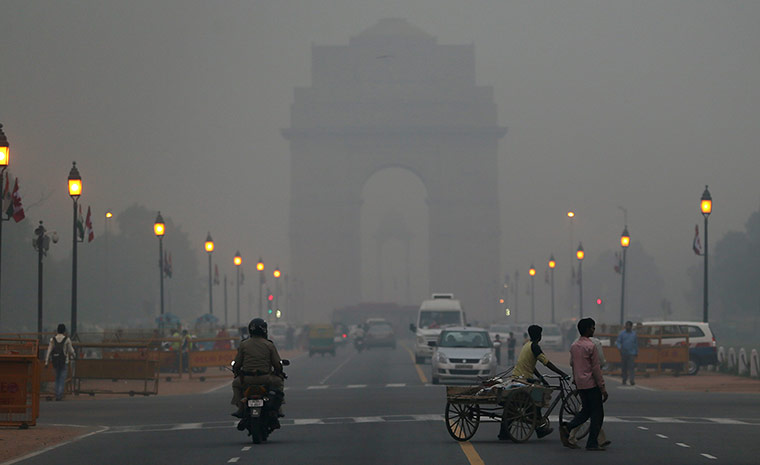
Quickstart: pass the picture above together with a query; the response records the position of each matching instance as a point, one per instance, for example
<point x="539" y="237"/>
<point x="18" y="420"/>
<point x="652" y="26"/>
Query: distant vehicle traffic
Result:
<point x="441" y="311"/>
<point x="379" y="334"/>
<point x="463" y="355"/>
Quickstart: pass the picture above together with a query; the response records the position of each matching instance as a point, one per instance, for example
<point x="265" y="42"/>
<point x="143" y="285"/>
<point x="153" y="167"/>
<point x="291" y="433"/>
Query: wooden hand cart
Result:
<point x="517" y="406"/>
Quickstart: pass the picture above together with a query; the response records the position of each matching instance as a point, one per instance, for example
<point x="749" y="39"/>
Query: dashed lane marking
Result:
<point x="233" y="460"/>
<point x="395" y="385"/>
<point x="356" y="386"/>
<point x="245" y="449"/>
<point x="661" y="436"/>
<point x="321" y="386"/>
<point x="680" y="444"/>
<point x="728" y="421"/>
<point x="711" y="457"/>
<point x="384" y="419"/>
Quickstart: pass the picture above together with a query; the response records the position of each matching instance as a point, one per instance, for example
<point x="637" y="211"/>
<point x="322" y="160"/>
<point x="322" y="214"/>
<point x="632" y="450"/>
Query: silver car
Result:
<point x="463" y="355"/>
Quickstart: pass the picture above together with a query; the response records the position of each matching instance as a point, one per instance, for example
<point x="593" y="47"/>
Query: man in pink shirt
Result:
<point x="587" y="373"/>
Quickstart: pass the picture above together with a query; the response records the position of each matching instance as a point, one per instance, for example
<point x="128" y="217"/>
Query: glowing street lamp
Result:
<point x="625" y="241"/>
<point x="262" y="279"/>
<point x="237" y="261"/>
<point x="75" y="190"/>
<point x="580" y="254"/>
<point x="159" y="229"/>
<point x="706" y="207"/>
<point x="532" y="273"/>
<point x="552" y="265"/>
<point x="209" y="246"/>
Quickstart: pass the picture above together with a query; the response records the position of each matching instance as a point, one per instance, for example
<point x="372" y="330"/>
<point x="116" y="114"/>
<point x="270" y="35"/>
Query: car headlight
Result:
<point x="486" y="359"/>
<point x="442" y="358"/>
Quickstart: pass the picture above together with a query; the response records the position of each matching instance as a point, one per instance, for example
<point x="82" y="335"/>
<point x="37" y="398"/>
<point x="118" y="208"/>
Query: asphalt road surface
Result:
<point x="377" y="407"/>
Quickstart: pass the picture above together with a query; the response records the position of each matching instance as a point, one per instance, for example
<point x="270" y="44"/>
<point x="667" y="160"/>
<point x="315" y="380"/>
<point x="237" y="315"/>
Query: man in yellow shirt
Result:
<point x="525" y="368"/>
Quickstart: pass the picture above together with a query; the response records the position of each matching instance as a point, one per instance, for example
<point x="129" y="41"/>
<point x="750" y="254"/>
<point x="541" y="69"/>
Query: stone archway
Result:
<point x="394" y="97"/>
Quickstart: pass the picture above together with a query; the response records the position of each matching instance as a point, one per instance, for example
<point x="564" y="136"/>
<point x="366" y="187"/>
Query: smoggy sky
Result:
<point x="178" y="105"/>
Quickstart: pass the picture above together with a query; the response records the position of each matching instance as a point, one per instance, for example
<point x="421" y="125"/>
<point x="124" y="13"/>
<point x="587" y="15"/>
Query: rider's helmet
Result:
<point x="257" y="327"/>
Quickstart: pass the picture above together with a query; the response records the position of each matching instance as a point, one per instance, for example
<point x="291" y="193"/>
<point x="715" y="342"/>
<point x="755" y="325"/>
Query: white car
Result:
<point x="463" y="354"/>
<point x="551" y="337"/>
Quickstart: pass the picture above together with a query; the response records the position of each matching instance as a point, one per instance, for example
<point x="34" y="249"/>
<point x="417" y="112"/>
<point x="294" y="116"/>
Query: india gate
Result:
<point x="394" y="97"/>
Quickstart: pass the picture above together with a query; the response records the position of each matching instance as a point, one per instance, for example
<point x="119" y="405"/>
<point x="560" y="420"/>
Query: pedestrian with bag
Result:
<point x="60" y="352"/>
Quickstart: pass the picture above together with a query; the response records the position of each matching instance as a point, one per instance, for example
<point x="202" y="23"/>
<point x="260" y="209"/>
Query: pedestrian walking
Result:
<point x="60" y="352"/>
<point x="602" y="438"/>
<point x="628" y="344"/>
<point x="497" y="348"/>
<point x="511" y="343"/>
<point x="587" y="374"/>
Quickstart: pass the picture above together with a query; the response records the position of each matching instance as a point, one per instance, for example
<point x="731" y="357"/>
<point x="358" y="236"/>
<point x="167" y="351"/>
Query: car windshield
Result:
<point x="473" y="339"/>
<point x="430" y="319"/>
<point x="380" y="329"/>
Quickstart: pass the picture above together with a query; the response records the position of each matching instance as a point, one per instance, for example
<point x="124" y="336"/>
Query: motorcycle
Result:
<point x="359" y="344"/>
<point x="261" y="410"/>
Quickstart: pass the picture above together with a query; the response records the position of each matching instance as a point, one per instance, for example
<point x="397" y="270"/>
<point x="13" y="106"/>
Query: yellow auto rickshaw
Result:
<point x="321" y="340"/>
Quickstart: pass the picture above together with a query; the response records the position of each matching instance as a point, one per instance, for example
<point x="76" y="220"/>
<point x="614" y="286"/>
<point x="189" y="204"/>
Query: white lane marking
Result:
<point x="395" y="385"/>
<point x="664" y="419"/>
<point x="307" y="421"/>
<point x="355" y="386"/>
<point x="643" y="428"/>
<point x="661" y="436"/>
<point x="47" y="449"/>
<point x="728" y="421"/>
<point x="318" y="387"/>
<point x="246" y="449"/>
<point x="365" y="419"/>
<point x="233" y="460"/>
<point x="225" y="385"/>
<point x="680" y="444"/>
<point x="336" y="369"/>
<point x="711" y="457"/>
<point x="187" y="426"/>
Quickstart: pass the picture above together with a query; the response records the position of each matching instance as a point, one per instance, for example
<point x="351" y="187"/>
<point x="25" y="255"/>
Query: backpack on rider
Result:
<point x="58" y="354"/>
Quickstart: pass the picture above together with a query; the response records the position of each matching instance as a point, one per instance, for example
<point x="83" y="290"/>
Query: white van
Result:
<point x="441" y="311"/>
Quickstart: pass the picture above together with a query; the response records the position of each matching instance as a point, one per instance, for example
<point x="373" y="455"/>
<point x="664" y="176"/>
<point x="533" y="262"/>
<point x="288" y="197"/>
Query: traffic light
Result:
<point x="270" y="297"/>
<point x="599" y="301"/>
<point x="269" y="311"/>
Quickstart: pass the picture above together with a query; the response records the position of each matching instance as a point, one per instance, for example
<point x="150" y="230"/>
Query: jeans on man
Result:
<point x="592" y="408"/>
<point x="60" y="381"/>
<point x="628" y="367"/>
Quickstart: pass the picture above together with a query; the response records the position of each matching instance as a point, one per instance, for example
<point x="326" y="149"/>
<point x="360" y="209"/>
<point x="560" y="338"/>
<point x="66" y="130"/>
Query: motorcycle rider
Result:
<point x="257" y="362"/>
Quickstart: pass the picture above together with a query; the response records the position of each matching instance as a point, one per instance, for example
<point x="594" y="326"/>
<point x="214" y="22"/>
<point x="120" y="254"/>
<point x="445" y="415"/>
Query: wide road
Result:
<point x="377" y="407"/>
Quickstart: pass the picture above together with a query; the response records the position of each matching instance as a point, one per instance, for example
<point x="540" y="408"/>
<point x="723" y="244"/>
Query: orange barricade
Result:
<point x="117" y="361"/>
<point x="654" y="355"/>
<point x="19" y="382"/>
<point x="199" y="361"/>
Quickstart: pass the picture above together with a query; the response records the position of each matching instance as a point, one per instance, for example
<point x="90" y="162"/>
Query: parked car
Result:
<point x="379" y="334"/>
<point x="463" y="354"/>
<point x="703" y="349"/>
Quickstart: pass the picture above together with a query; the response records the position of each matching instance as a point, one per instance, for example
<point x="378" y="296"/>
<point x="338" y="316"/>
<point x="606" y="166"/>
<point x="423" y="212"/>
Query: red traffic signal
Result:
<point x="271" y="297"/>
<point x="599" y="301"/>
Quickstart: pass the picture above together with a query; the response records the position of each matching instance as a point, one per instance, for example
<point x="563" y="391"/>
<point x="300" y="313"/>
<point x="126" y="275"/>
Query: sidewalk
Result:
<point x="16" y="443"/>
<point x="704" y="381"/>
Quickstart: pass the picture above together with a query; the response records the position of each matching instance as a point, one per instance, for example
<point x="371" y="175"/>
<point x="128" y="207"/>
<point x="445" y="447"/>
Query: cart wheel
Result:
<point x="521" y="416"/>
<point x="462" y="420"/>
<point x="571" y="405"/>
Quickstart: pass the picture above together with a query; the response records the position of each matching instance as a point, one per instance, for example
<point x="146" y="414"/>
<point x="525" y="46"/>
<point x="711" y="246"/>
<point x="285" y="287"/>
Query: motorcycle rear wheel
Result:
<point x="254" y="428"/>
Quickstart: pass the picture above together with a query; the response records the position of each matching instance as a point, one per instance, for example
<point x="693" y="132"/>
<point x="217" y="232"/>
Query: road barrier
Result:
<point x="754" y="365"/>
<point x="654" y="355"/>
<point x="731" y="362"/>
<point x="743" y="367"/>
<point x="19" y="382"/>
<point x="118" y="361"/>
<point x="199" y="361"/>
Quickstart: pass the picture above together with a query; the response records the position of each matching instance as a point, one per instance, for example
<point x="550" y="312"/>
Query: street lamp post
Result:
<point x="552" y="264"/>
<point x="262" y="278"/>
<point x="276" y="273"/>
<point x="4" y="157"/>
<point x="517" y="294"/>
<point x="625" y="241"/>
<point x="238" y="260"/>
<point x="75" y="190"/>
<point x="706" y="207"/>
<point x="579" y="254"/>
<point x="159" y="229"/>
<point x="41" y="244"/>
<point x="209" y="245"/>
<point x="532" y="273"/>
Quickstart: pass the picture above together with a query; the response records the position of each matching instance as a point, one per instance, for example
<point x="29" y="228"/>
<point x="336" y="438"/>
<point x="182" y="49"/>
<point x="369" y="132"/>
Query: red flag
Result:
<point x="88" y="225"/>
<point x="18" y="210"/>
<point x="696" y="246"/>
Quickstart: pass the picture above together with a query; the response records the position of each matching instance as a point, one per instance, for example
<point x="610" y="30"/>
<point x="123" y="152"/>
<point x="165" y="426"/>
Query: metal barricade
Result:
<point x="19" y="382"/>
<point x="117" y="361"/>
<point x="217" y="356"/>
